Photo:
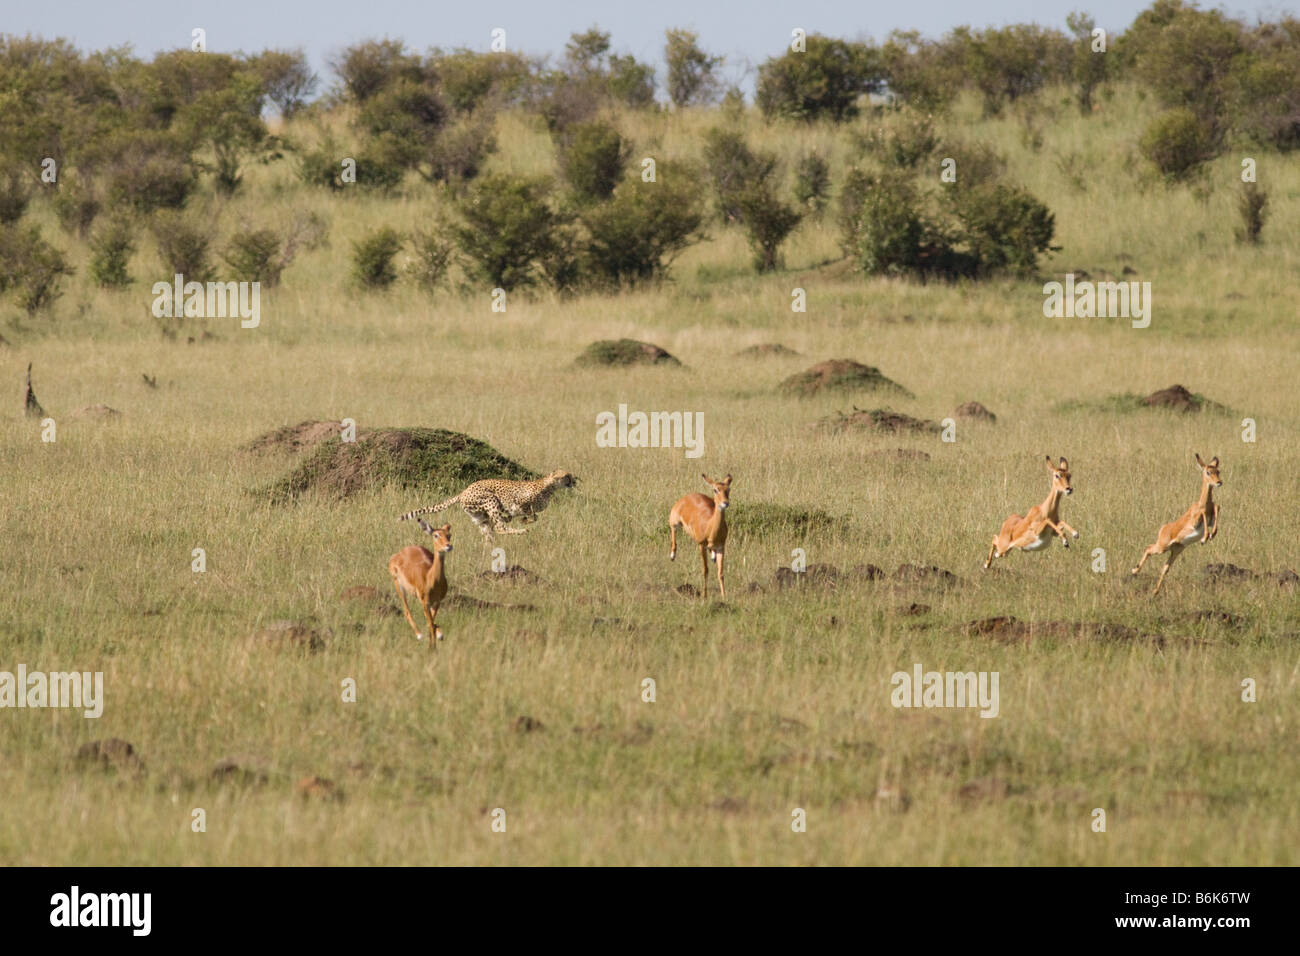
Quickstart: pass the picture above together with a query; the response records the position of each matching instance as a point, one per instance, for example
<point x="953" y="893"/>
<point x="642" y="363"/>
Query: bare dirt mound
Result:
<point x="438" y="462"/>
<point x="976" y="412"/>
<point x="1176" y="398"/>
<point x="618" y="353"/>
<point x="294" y="438"/>
<point x="841" y="375"/>
<point x="875" y="419"/>
<point x="1012" y="630"/>
<point x="766" y="350"/>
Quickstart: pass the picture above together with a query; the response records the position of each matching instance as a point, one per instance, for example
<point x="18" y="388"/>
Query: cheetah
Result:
<point x="493" y="502"/>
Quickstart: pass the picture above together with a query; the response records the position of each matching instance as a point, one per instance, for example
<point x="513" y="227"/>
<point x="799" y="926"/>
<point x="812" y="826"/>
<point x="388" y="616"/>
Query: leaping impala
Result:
<point x="1034" y="531"/>
<point x="1199" y="523"/>
<point x="423" y="573"/>
<point x="703" y="518"/>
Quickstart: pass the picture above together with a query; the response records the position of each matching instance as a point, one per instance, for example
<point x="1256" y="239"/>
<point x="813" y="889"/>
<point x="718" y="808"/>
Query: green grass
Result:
<point x="779" y="698"/>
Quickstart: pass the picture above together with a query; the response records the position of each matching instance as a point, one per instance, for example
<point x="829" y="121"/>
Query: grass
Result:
<point x="775" y="700"/>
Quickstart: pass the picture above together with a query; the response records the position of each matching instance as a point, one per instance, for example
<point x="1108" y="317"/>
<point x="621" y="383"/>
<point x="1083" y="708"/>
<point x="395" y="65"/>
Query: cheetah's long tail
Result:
<point x="431" y="510"/>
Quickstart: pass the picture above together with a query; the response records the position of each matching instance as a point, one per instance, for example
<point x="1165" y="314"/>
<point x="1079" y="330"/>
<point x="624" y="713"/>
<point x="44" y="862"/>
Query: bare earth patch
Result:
<point x="875" y="419"/>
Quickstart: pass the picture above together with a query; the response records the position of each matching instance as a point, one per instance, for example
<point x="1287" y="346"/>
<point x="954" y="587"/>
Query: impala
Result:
<point x="703" y="518"/>
<point x="1200" y="522"/>
<point x="1034" y="531"/>
<point x="424" y="574"/>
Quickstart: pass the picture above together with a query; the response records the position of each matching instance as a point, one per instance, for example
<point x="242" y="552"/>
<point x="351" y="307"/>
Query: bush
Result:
<point x="823" y="81"/>
<point x="254" y="256"/>
<point x="15" y="193"/>
<point x="1185" y="56"/>
<point x="144" y="169"/>
<point x="732" y="167"/>
<point x="506" y="228"/>
<point x="404" y="120"/>
<point x="182" y="246"/>
<point x="634" y="237"/>
<point x="286" y="78"/>
<point x="1012" y="62"/>
<point x="903" y="143"/>
<point x="462" y="148"/>
<point x="75" y="207"/>
<point x="1265" y="96"/>
<point x="432" y="258"/>
<point x="1088" y="68"/>
<point x="768" y="222"/>
<point x="691" y="78"/>
<point x="30" y="266"/>
<point x="592" y="158"/>
<point x="1178" y="142"/>
<point x="885" y="229"/>
<point x="111" y="248"/>
<point x="975" y="163"/>
<point x="631" y="82"/>
<point x="1251" y="204"/>
<point x="372" y="258"/>
<point x="812" y="182"/>
<point x="469" y="79"/>
<point x="1003" y="227"/>
<point x="374" y="65"/>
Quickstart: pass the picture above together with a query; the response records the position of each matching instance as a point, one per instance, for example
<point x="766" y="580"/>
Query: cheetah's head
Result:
<point x="562" y="478"/>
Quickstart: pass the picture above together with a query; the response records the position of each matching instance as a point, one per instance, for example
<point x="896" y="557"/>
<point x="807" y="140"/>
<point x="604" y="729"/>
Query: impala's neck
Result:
<point x="1053" y="501"/>
<point x="1207" y="495"/>
<point x="436" y="569"/>
<point x="717" y="520"/>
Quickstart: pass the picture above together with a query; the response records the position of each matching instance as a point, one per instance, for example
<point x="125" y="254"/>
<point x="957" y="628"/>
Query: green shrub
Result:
<point x="1251" y="204"/>
<point x="431" y="259"/>
<point x="462" y="148"/>
<point x="368" y="67"/>
<point x="592" y="158"/>
<point x="1178" y="142"/>
<point x="254" y="256"/>
<point x="469" y="79"/>
<point x="75" y="206"/>
<point x="904" y="143"/>
<point x="886" y="230"/>
<point x="144" y="169"/>
<point x="768" y="222"/>
<point x="506" y="227"/>
<point x="404" y="119"/>
<point x="732" y="168"/>
<point x="372" y="258"/>
<point x="183" y="245"/>
<point x="15" y="193"/>
<point x="635" y="236"/>
<point x="30" y="266"/>
<point x="111" y="248"/>
<point x="825" y="80"/>
<point x="1003" y="227"/>
<point x="812" y="182"/>
<point x="691" y="77"/>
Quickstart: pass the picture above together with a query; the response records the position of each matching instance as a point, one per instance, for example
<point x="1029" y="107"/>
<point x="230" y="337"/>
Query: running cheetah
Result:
<point x="493" y="502"/>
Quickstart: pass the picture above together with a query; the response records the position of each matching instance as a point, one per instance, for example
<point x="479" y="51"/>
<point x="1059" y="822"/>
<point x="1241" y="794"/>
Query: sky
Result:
<point x="745" y="31"/>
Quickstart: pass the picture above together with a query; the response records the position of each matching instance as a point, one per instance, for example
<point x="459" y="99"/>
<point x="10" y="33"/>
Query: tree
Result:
<point x="690" y="70"/>
<point x="823" y="81"/>
<point x="506" y="228"/>
<point x="287" y="79"/>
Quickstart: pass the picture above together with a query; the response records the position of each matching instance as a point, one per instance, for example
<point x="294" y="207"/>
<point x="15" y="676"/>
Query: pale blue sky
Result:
<point x="745" y="31"/>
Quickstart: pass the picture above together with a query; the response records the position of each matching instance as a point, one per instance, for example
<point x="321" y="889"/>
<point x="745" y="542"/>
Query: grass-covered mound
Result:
<point x="874" y="419"/>
<point x="619" y="353"/>
<point x="760" y="518"/>
<point x="1175" y="398"/>
<point x="841" y="375"/>
<point x="434" y="460"/>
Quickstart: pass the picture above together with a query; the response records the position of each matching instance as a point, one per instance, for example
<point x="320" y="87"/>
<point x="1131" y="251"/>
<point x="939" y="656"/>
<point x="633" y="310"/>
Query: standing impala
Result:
<point x="1034" y="531"/>
<point x="1199" y="523"/>
<point x="424" y="574"/>
<point x="703" y="518"/>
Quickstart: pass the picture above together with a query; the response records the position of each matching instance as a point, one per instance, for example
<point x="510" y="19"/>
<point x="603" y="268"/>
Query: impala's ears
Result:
<point x="1065" y="465"/>
<point x="446" y="529"/>
<point x="1050" y="466"/>
<point x="727" y="481"/>
<point x="1214" y="462"/>
<point x="1198" y="459"/>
